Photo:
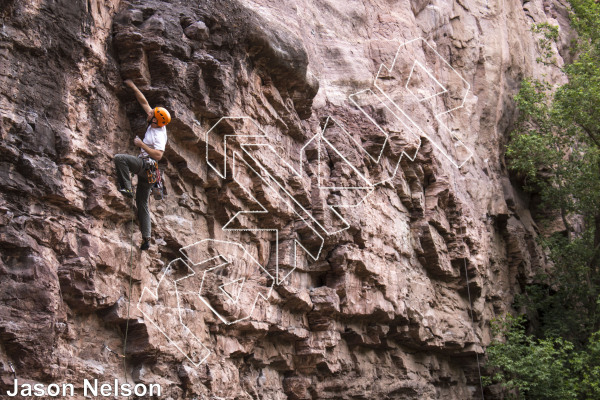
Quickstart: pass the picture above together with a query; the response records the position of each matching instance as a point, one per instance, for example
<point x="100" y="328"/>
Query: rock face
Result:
<point x="390" y="295"/>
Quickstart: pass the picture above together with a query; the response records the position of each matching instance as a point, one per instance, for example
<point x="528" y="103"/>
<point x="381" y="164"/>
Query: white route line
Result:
<point x="249" y="150"/>
<point x="303" y="217"/>
<point x="194" y="356"/>
<point x="430" y="75"/>
<point x="237" y="287"/>
<point x="227" y="262"/>
<point x="154" y="295"/>
<point x="437" y="116"/>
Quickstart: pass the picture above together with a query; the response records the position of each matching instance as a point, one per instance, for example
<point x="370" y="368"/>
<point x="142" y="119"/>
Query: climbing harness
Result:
<point x="154" y="178"/>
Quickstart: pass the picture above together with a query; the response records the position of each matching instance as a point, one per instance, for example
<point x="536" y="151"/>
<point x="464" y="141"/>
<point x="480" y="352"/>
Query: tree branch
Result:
<point x="590" y="134"/>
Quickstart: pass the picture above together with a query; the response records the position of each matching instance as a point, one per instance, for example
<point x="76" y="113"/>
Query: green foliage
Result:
<point x="556" y="156"/>
<point x="549" y="368"/>
<point x="549" y="35"/>
<point x="565" y="301"/>
<point x="585" y="19"/>
<point x="590" y="368"/>
<point x="555" y="149"/>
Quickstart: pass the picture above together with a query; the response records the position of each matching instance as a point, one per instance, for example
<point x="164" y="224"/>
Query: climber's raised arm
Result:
<point x="152" y="147"/>
<point x="139" y="96"/>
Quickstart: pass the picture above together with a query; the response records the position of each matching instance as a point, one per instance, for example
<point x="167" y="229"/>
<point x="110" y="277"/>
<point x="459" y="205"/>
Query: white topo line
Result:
<point x="246" y="156"/>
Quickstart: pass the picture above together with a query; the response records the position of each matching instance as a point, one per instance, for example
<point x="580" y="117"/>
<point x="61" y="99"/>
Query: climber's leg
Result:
<point x="125" y="165"/>
<point x="142" y="196"/>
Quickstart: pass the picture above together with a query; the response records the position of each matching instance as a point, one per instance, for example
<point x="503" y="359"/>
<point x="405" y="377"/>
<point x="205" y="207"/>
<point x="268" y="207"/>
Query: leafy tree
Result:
<point x="555" y="148"/>
<point x="548" y="368"/>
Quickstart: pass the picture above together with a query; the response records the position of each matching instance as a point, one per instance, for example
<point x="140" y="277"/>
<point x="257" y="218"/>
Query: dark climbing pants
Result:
<point x="125" y="166"/>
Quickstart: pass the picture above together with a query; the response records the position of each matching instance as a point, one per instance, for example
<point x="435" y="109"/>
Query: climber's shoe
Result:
<point x="127" y="192"/>
<point x="145" y="244"/>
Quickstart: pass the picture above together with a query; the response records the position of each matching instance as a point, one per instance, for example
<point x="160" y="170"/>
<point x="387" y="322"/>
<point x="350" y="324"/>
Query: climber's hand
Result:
<point x="129" y="82"/>
<point x="138" y="142"/>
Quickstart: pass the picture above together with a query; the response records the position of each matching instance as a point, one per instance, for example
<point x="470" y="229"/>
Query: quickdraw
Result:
<point x="154" y="178"/>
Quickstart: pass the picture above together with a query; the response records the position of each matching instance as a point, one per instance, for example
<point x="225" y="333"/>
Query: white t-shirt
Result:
<point x="156" y="138"/>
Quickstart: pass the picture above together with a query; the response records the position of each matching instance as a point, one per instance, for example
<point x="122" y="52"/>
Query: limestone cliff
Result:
<point x="390" y="295"/>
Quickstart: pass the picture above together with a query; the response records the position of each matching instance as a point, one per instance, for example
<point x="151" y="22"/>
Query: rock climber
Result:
<point x="151" y="148"/>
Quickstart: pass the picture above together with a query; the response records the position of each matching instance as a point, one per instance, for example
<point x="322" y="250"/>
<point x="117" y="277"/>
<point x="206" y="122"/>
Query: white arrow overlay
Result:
<point x="411" y="99"/>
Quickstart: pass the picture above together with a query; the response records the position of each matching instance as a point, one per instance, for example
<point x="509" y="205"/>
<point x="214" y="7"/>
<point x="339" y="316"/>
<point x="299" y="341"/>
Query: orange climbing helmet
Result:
<point x="162" y="116"/>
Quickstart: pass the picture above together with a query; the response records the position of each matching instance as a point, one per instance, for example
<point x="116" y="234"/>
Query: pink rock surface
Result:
<point x="383" y="311"/>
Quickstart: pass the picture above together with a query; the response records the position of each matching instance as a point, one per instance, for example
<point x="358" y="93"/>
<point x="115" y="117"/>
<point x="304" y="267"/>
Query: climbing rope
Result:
<point x="473" y="324"/>
<point x="130" y="289"/>
<point x="123" y="356"/>
<point x="471" y="308"/>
